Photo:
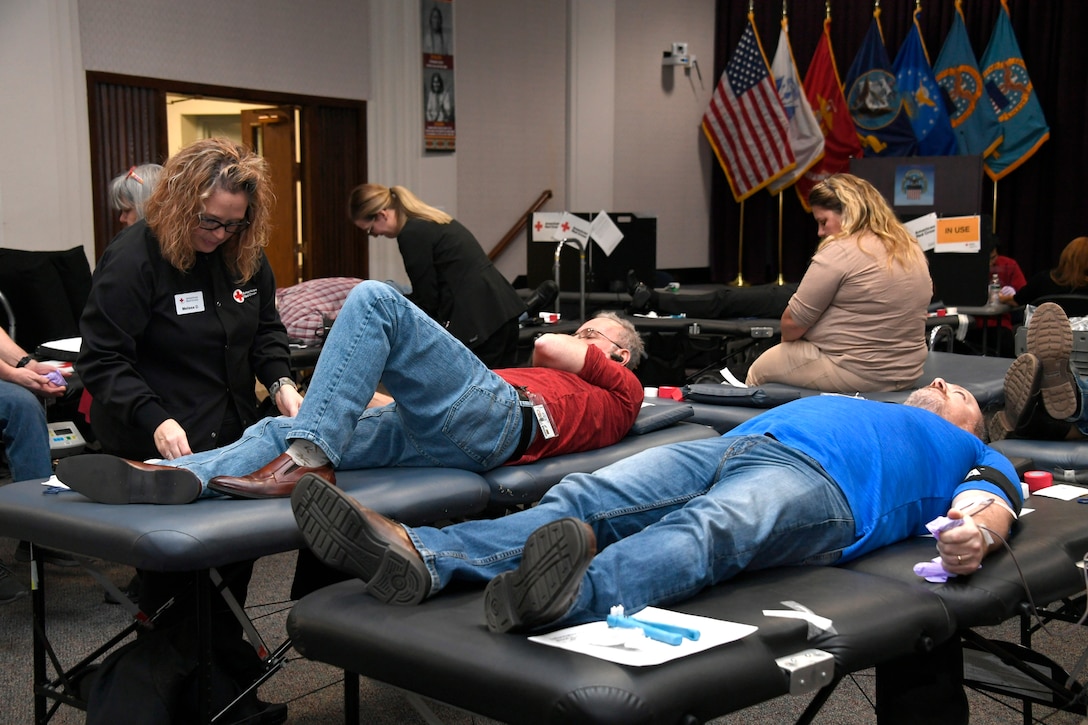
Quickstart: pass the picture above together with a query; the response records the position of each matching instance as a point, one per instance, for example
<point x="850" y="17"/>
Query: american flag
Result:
<point x="746" y="124"/>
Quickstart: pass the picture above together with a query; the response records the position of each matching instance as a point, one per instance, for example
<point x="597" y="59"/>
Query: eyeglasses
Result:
<point x="590" y="334"/>
<point x="210" y="225"/>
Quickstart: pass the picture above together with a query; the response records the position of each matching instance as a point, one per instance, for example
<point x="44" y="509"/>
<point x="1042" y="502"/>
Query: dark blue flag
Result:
<point x="872" y="96"/>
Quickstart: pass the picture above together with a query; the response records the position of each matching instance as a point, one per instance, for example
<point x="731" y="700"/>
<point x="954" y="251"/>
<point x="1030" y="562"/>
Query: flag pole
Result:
<point x="993" y="216"/>
<point x="739" y="281"/>
<point x="781" y="280"/>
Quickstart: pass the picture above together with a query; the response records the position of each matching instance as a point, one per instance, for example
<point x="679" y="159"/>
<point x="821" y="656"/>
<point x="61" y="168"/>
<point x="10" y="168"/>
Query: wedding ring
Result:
<point x="959" y="559"/>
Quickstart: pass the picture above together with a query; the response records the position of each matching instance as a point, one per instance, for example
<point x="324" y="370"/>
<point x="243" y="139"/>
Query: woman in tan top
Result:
<point x="857" y="320"/>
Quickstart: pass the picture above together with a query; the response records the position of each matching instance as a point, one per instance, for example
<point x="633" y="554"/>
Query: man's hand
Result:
<point x="32" y="376"/>
<point x="963" y="547"/>
<point x="171" y="440"/>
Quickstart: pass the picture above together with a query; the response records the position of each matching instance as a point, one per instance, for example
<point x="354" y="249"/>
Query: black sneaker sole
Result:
<point x="109" y="479"/>
<point x="546" y="582"/>
<point x="339" y="535"/>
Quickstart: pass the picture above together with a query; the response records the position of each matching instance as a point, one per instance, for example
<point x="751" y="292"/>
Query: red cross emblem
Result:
<point x="565" y="227"/>
<point x="238" y="296"/>
<point x="538" y="226"/>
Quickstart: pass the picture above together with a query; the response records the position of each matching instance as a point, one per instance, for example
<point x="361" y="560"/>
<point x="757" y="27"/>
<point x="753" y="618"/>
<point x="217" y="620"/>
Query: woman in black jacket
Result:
<point x="453" y="280"/>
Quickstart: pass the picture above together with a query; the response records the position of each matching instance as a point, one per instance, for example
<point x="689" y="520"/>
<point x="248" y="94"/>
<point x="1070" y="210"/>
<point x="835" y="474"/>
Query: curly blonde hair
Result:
<point x="192" y="175"/>
<point x="863" y="209"/>
<point x="367" y="200"/>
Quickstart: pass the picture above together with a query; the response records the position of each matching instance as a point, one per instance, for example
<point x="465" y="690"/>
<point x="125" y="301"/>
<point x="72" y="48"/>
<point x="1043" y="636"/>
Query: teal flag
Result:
<point x="922" y="97"/>
<point x="872" y="96"/>
<point x="978" y="132"/>
<point x="1006" y="80"/>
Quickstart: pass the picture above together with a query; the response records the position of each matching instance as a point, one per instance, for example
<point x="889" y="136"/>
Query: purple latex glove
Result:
<point x="933" y="571"/>
<point x="56" y="378"/>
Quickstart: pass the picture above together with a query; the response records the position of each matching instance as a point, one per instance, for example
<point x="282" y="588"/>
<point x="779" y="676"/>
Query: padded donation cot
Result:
<point x="878" y="608"/>
<point x="724" y="407"/>
<point x="213" y="532"/>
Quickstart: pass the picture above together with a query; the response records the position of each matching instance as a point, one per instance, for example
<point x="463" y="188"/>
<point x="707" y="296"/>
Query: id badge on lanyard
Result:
<point x="543" y="419"/>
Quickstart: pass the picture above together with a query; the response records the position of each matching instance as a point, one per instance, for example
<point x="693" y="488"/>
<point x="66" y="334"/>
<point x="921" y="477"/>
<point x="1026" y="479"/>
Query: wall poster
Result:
<point x="439" y="130"/>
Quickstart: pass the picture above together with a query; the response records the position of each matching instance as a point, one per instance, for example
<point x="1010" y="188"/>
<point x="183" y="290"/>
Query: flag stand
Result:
<point x="739" y="281"/>
<point x="781" y="279"/>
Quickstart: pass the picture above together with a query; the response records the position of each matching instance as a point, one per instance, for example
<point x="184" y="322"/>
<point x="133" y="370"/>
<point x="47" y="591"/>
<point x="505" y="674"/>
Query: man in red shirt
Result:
<point x="447" y="409"/>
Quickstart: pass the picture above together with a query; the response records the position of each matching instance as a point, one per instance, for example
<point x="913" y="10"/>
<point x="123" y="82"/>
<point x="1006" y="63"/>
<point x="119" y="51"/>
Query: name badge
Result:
<point x="543" y="417"/>
<point x="188" y="303"/>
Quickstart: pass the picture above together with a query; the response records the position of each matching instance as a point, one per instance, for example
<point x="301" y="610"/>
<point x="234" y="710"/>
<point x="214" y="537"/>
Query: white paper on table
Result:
<point x="1062" y="491"/>
<point x="590" y="639"/>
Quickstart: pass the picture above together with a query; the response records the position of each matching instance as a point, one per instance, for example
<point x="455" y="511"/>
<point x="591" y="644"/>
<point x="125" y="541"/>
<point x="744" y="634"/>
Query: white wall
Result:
<point x="633" y="127"/>
<point x="45" y="177"/>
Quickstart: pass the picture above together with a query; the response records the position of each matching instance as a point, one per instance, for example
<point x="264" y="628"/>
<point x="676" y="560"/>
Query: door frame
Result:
<point x="127" y="120"/>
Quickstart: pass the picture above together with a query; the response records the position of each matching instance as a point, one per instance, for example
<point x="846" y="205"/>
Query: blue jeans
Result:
<point x="26" y="439"/>
<point x="1081" y="418"/>
<point x="450" y="410"/>
<point x="669" y="522"/>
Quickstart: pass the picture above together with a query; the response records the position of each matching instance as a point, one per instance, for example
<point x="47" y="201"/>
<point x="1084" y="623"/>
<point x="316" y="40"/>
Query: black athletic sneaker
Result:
<point x="545" y="584"/>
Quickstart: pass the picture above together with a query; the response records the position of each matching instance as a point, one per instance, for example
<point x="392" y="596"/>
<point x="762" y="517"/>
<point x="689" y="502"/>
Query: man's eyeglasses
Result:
<point x="210" y="225"/>
<point x="590" y="334"/>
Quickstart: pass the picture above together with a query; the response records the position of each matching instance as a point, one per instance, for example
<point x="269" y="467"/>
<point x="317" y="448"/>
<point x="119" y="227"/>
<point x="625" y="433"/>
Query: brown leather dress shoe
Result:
<point x="110" y="479"/>
<point x="275" y="480"/>
<point x="347" y="536"/>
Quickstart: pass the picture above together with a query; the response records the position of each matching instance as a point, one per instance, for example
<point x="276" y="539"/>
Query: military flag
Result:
<point x="872" y="95"/>
<point x="922" y="96"/>
<point x="823" y="89"/>
<point x="805" y="137"/>
<point x="974" y="122"/>
<point x="1006" y="80"/>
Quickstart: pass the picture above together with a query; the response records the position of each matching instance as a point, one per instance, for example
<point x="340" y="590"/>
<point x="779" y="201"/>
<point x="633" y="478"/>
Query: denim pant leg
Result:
<point x="768" y="506"/>
<point x="669" y="522"/>
<point x="451" y="404"/>
<point x="26" y="439"/>
<point x="1081" y="420"/>
<point x="616" y="501"/>
<point x="259" y="444"/>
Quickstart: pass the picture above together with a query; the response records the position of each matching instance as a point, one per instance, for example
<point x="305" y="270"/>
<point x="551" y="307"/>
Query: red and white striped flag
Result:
<point x="746" y="124"/>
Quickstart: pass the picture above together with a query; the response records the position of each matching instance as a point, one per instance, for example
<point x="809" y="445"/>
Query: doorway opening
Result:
<point x="272" y="133"/>
<point x="315" y="147"/>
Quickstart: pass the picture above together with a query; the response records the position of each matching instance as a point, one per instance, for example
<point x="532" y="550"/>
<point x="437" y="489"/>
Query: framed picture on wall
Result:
<point x="439" y="125"/>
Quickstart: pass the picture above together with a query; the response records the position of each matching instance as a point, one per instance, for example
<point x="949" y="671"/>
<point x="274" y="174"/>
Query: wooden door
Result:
<point x="271" y="133"/>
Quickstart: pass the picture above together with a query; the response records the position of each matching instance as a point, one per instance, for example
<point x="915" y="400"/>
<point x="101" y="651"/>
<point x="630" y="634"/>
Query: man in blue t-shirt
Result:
<point x="821" y="480"/>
